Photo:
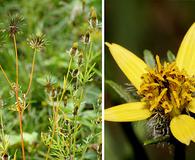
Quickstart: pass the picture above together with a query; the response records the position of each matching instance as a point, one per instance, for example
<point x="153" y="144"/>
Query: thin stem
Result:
<point x="75" y="124"/>
<point x="55" y="109"/>
<point x="53" y="132"/>
<point x="20" y="112"/>
<point x="21" y="134"/>
<point x="16" y="53"/>
<point x="66" y="79"/>
<point x="31" y="74"/>
<point x="6" y="77"/>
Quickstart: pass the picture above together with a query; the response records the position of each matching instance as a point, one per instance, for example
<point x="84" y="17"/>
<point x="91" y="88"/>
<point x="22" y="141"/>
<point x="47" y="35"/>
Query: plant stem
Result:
<point x="6" y="77"/>
<point x="20" y="112"/>
<point x="53" y="131"/>
<point x="31" y="74"/>
<point x="55" y="109"/>
<point x="75" y="124"/>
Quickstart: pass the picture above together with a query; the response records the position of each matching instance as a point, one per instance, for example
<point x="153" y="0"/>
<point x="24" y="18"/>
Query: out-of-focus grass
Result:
<point x="63" y="22"/>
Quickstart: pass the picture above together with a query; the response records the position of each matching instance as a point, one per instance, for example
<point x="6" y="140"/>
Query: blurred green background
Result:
<point x="137" y="25"/>
<point x="63" y="22"/>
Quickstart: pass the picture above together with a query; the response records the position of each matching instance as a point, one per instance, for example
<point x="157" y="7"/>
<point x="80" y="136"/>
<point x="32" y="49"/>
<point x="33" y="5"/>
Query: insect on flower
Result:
<point x="165" y="90"/>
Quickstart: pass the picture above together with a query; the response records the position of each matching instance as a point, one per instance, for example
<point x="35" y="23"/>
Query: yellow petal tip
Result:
<point x="108" y="44"/>
<point x="183" y="128"/>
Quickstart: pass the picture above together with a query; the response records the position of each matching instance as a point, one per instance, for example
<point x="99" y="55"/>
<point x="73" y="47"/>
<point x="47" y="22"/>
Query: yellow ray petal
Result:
<point x="131" y="65"/>
<point x="183" y="128"/>
<point x="191" y="106"/>
<point x="127" y="112"/>
<point x="186" y="54"/>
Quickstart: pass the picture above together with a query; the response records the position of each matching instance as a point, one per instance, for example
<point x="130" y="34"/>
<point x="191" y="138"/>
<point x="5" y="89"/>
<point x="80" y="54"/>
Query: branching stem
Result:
<point x="32" y="71"/>
<point x="6" y="77"/>
<point x="55" y="109"/>
<point x="18" y="105"/>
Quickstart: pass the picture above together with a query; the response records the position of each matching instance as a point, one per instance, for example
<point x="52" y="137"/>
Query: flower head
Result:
<point x="74" y="49"/>
<point x="166" y="91"/>
<point x="15" y="23"/>
<point x="36" y="41"/>
<point x="93" y="21"/>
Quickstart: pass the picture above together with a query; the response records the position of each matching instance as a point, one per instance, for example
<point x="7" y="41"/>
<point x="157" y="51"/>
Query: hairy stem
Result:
<point x="20" y="112"/>
<point x="31" y="74"/>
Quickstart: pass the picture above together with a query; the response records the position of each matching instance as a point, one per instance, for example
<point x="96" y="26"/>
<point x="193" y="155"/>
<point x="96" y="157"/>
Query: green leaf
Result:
<point x="170" y="56"/>
<point x="149" y="58"/>
<point x="120" y="90"/>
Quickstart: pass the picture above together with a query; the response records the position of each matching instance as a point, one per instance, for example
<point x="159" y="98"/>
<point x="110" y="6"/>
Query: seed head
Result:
<point x="75" y="73"/>
<point x="86" y="38"/>
<point x="93" y="21"/>
<point x="37" y="42"/>
<point x="5" y="157"/>
<point x="65" y="100"/>
<point x="15" y="24"/>
<point x="76" y="108"/>
<point x="74" y="49"/>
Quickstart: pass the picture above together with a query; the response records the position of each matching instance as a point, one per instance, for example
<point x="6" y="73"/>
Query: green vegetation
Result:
<point x="50" y="79"/>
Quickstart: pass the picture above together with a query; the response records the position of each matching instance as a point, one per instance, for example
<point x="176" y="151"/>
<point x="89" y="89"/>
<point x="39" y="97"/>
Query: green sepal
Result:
<point x="149" y="58"/>
<point x="122" y="92"/>
<point x="170" y="56"/>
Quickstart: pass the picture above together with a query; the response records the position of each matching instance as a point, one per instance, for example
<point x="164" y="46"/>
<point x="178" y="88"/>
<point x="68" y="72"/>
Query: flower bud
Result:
<point x="93" y="21"/>
<point x="74" y="49"/>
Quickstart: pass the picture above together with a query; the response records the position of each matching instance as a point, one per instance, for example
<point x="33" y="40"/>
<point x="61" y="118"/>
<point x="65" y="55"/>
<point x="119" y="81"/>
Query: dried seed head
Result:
<point x="75" y="73"/>
<point x="93" y="21"/>
<point x="49" y="85"/>
<point x="65" y="100"/>
<point x="74" y="49"/>
<point x="99" y="120"/>
<point x="37" y="42"/>
<point x="15" y="24"/>
<point x="86" y="38"/>
<point x="5" y="157"/>
<point x="76" y="108"/>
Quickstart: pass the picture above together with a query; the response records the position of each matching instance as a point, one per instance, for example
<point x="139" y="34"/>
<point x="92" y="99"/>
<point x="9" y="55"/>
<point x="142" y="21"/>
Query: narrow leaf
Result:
<point x="122" y="92"/>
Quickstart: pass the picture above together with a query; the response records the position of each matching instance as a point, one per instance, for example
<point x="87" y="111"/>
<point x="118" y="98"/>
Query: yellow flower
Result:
<point x="166" y="89"/>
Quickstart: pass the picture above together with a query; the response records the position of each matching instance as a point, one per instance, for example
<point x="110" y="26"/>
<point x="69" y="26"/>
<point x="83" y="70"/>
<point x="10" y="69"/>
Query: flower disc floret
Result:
<point x="166" y="88"/>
